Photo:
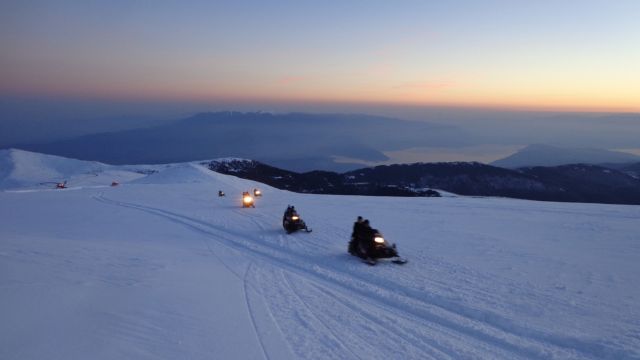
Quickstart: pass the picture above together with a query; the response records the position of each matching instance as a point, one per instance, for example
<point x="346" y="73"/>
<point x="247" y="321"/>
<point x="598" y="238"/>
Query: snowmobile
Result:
<point x="220" y="193"/>
<point x="115" y="183"/>
<point x="61" y="185"/>
<point x="379" y="249"/>
<point x="257" y="192"/>
<point x="292" y="223"/>
<point x="247" y="200"/>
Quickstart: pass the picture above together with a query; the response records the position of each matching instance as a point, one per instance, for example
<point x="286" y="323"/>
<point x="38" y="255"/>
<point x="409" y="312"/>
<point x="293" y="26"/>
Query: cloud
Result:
<point x="425" y="85"/>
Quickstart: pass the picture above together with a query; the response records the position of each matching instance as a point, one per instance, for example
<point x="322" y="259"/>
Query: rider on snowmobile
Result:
<point x="364" y="236"/>
<point x="370" y="245"/>
<point x="291" y="221"/>
<point x="354" y="235"/>
<point x="247" y="200"/>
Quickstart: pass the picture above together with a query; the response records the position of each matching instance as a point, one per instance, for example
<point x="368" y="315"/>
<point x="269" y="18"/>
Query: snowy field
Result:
<point x="160" y="267"/>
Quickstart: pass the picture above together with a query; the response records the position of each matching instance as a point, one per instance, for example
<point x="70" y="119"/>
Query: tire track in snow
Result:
<point x="463" y="325"/>
<point x="304" y="303"/>
<point x="375" y="331"/>
<point x="413" y="330"/>
<point x="284" y="241"/>
<point x="245" y="286"/>
<point x="272" y="316"/>
<point x="222" y="261"/>
<point x="305" y="334"/>
<point x="410" y="332"/>
<point x="250" y="311"/>
<point x="187" y="221"/>
<point x="486" y="327"/>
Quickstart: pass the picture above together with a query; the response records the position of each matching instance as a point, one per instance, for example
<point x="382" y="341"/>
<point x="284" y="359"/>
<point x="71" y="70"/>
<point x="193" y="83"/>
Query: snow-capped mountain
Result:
<point x="546" y="155"/>
<point x="162" y="267"/>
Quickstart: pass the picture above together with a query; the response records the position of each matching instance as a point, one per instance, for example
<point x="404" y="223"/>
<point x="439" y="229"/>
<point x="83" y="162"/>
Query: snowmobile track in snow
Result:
<point x="489" y="329"/>
<point x="250" y="311"/>
<point x="335" y="336"/>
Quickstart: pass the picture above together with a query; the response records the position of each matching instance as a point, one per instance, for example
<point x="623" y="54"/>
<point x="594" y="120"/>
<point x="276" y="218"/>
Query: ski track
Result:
<point x="306" y="335"/>
<point x="376" y="332"/>
<point x="472" y="324"/>
<point x="250" y="311"/>
<point x="387" y="325"/>
<point x="335" y="336"/>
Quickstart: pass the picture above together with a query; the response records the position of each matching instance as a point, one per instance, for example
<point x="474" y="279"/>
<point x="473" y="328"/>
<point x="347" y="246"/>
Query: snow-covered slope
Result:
<point x="22" y="168"/>
<point x="28" y="170"/>
<point x="163" y="268"/>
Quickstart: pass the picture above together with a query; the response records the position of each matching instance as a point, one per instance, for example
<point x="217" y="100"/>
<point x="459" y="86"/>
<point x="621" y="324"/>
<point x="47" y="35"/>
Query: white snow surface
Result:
<point x="160" y="267"/>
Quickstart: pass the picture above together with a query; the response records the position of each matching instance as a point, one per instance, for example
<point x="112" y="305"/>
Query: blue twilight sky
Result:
<point x="501" y="70"/>
<point x="565" y="55"/>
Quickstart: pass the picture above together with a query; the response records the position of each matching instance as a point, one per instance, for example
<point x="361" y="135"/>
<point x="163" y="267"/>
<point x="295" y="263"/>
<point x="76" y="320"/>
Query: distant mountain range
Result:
<point x="569" y="183"/>
<point x="545" y="155"/>
<point x="295" y="141"/>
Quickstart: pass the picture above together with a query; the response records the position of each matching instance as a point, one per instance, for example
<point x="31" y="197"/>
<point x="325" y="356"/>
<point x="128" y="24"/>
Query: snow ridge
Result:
<point x="22" y="168"/>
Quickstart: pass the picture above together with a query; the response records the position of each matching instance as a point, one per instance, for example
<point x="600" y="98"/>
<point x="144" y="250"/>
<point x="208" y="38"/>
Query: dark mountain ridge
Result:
<point x="631" y="169"/>
<point x="569" y="183"/>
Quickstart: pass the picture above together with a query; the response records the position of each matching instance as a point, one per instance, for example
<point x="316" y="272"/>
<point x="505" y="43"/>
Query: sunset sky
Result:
<point x="560" y="55"/>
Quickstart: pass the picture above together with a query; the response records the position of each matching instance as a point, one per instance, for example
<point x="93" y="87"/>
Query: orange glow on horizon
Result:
<point x="525" y="101"/>
<point x="449" y="54"/>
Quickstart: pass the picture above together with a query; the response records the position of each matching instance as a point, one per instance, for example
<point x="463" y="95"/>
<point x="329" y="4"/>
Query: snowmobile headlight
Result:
<point x="248" y="199"/>
<point x="258" y="192"/>
<point x="295" y="217"/>
<point x="379" y="239"/>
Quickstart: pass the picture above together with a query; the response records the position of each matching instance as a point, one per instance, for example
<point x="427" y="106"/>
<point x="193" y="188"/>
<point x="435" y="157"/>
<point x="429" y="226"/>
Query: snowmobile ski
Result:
<point x="289" y="232"/>
<point x="370" y="261"/>
<point x="399" y="261"/>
